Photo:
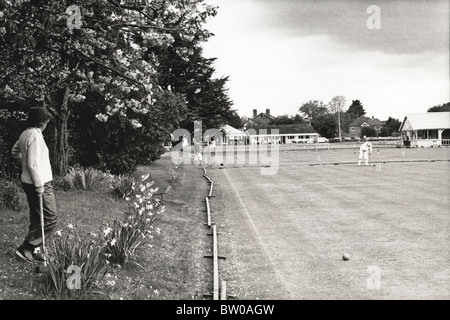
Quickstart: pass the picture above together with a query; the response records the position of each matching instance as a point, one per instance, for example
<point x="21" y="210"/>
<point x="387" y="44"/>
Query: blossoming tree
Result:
<point x="56" y="53"/>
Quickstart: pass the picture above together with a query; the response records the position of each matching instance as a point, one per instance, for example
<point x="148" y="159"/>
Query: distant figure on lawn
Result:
<point x="198" y="156"/>
<point x="364" y="151"/>
<point x="36" y="178"/>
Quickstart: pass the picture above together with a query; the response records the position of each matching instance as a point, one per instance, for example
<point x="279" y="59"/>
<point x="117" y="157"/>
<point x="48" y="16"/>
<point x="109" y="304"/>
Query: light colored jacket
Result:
<point x="366" y="146"/>
<point x="32" y="150"/>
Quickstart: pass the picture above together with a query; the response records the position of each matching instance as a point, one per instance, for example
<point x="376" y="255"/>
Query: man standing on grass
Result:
<point x="36" y="179"/>
<point x="364" y="151"/>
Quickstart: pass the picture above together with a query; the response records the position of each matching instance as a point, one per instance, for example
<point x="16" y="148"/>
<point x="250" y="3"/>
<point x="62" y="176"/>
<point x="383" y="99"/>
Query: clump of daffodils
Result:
<point x="126" y="238"/>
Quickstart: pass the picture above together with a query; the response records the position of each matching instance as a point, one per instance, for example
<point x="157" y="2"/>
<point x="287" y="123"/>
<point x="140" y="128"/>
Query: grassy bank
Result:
<point x="173" y="266"/>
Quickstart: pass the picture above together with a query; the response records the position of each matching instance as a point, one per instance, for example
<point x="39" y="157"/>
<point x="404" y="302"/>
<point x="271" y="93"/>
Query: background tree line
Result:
<point x="325" y="118"/>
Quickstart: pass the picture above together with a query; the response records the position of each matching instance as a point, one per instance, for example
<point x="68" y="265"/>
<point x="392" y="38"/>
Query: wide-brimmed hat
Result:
<point x="38" y="115"/>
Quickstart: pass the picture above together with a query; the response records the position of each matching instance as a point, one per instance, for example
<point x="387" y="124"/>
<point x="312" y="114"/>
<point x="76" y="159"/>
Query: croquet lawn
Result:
<point x="286" y="233"/>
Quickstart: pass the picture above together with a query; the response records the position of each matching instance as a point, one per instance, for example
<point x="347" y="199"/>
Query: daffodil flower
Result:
<point x="111" y="283"/>
<point x="107" y="231"/>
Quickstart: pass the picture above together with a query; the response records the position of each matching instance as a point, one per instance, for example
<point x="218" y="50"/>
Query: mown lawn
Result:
<point x="288" y="232"/>
<point x="174" y="266"/>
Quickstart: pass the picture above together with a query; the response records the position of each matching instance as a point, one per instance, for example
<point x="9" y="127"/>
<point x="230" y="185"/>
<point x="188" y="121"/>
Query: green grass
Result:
<point x="288" y="231"/>
<point x="306" y="216"/>
<point x="173" y="268"/>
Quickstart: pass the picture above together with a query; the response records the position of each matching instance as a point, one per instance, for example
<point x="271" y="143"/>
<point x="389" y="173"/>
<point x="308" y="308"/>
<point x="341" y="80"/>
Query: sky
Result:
<point x="279" y="54"/>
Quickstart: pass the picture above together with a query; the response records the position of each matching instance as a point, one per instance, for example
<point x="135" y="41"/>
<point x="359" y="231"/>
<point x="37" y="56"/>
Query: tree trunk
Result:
<point x="61" y="146"/>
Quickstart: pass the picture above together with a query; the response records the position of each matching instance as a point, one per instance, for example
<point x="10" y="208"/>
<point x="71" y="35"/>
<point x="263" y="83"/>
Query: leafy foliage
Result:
<point x="12" y="123"/>
<point x="83" y="178"/>
<point x="325" y="125"/>
<point x="356" y="109"/>
<point x="285" y="119"/>
<point x="127" y="186"/>
<point x="122" y="186"/>
<point x="125" y="239"/>
<point x="116" y="53"/>
<point x="207" y="98"/>
<point x="122" y="242"/>
<point x="320" y="118"/>
<point x="313" y="109"/>
<point x="176" y="173"/>
<point x="368" y="132"/>
<point x="391" y="128"/>
<point x="440" y="108"/>
<point x="72" y="249"/>
<point x="9" y="195"/>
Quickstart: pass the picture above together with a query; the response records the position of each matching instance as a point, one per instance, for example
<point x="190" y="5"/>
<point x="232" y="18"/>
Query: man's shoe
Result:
<point x="24" y="254"/>
<point x="38" y="255"/>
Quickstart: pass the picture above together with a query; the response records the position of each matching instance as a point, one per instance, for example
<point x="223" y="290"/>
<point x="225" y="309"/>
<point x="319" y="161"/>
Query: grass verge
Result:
<point x="173" y="266"/>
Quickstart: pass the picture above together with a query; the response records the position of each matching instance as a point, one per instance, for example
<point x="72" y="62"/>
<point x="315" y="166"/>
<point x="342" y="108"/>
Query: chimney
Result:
<point x="372" y="117"/>
<point x="267" y="112"/>
<point x="254" y="113"/>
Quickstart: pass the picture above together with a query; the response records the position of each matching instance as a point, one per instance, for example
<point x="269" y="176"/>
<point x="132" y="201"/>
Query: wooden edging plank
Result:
<point x="215" y="266"/>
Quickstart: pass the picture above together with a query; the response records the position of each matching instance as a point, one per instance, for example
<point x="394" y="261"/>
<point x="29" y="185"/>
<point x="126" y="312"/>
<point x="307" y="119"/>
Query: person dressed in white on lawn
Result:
<point x="364" y="150"/>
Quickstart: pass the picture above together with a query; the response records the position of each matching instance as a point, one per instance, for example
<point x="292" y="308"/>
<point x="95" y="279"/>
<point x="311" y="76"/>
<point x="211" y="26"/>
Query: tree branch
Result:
<point x="140" y="10"/>
<point x="107" y="68"/>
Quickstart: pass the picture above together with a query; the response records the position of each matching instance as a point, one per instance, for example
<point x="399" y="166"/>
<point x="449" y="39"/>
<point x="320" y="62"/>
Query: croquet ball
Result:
<point x="346" y="257"/>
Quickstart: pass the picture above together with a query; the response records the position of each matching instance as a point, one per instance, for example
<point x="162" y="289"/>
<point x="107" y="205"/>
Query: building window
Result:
<point x="432" y="134"/>
<point x="352" y="128"/>
<point x="421" y="134"/>
<point x="378" y="127"/>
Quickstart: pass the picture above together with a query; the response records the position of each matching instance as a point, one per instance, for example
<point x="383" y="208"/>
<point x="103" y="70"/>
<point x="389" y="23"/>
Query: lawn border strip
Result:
<point x="216" y="294"/>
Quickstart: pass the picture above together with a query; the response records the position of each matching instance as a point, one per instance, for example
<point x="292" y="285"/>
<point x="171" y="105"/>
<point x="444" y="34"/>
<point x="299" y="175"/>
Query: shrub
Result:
<point x="82" y="179"/>
<point x="12" y="123"/>
<point x="9" y="195"/>
<point x="368" y="132"/>
<point x="73" y="250"/>
<point x="117" y="145"/>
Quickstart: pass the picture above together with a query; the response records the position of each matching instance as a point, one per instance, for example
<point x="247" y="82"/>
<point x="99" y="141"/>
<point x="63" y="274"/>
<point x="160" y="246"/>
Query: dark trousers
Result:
<point x="34" y="236"/>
